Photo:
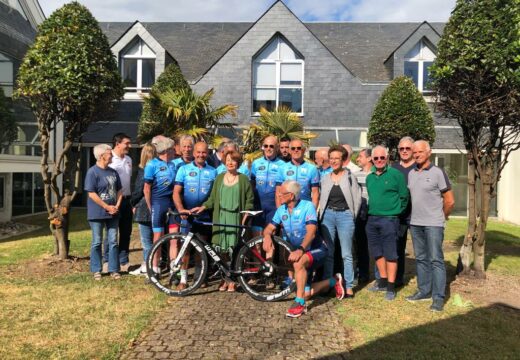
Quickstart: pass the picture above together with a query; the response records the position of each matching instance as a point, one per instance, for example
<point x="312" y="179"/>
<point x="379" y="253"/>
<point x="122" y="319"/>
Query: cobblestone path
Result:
<point x="214" y="325"/>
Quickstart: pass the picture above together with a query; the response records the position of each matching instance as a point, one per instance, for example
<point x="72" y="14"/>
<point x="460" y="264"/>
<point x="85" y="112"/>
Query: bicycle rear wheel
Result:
<point x="167" y="279"/>
<point x="265" y="280"/>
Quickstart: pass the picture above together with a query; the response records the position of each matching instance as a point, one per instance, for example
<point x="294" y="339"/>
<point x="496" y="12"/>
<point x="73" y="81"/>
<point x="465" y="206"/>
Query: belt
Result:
<point x="337" y="208"/>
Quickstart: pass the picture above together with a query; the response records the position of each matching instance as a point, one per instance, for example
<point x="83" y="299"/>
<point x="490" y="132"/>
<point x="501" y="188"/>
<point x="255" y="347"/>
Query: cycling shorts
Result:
<point x="159" y="220"/>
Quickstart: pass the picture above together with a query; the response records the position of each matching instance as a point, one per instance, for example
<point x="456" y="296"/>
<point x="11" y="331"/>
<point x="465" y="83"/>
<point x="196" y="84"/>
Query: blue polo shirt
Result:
<point x="196" y="183"/>
<point x="294" y="223"/>
<point x="306" y="174"/>
<point x="161" y="175"/>
<point x="264" y="173"/>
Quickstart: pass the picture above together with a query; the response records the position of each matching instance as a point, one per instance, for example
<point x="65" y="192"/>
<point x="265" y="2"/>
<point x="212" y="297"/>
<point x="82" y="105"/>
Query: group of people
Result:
<point x="366" y="209"/>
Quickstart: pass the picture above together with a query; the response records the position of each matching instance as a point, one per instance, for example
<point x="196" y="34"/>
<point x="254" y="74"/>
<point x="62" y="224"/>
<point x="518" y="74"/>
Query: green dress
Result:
<point x="229" y="214"/>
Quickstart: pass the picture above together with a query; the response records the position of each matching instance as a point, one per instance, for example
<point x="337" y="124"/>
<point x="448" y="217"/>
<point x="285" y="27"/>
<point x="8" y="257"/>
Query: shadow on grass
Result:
<point x="486" y="333"/>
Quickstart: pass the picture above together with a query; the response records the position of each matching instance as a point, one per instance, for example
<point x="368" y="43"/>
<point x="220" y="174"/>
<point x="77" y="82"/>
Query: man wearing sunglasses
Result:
<point x="263" y="179"/>
<point x="387" y="199"/>
<point x="306" y="174"/>
<point x="404" y="165"/>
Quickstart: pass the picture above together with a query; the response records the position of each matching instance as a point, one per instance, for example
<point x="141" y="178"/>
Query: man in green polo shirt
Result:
<point x="387" y="198"/>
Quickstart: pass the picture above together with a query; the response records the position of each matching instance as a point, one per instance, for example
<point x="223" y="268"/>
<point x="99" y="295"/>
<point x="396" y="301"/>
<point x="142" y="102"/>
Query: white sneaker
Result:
<point x="141" y="270"/>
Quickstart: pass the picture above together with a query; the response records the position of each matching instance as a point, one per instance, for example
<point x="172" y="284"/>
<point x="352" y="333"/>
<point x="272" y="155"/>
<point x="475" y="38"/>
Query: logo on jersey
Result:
<point x="290" y="173"/>
<point x="192" y="190"/>
<point x="261" y="168"/>
<point x="193" y="173"/>
<point x="285" y="217"/>
<point x="162" y="168"/>
<point x="304" y="171"/>
<point x="260" y="182"/>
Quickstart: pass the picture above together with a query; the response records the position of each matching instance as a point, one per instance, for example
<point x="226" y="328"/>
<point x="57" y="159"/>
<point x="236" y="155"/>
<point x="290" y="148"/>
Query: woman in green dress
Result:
<point x="231" y="194"/>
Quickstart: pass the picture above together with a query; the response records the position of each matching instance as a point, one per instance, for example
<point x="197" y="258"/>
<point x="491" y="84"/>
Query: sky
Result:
<point x="251" y="10"/>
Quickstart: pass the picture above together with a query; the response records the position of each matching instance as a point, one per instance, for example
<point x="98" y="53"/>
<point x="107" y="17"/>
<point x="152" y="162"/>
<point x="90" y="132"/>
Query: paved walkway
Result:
<point x="213" y="325"/>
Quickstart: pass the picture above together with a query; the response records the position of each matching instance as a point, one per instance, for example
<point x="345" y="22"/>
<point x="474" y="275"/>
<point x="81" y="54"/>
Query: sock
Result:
<point x="390" y="286"/>
<point x="184" y="276"/>
<point x="156" y="269"/>
<point x="383" y="282"/>
<point x="332" y="282"/>
<point x="300" y="301"/>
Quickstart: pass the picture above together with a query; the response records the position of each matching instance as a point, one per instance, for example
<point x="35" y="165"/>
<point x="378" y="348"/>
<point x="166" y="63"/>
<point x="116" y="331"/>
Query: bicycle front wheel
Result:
<point x="267" y="280"/>
<point x="166" y="278"/>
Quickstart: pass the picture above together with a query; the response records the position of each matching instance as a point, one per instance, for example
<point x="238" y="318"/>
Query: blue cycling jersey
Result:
<point x="324" y="172"/>
<point x="305" y="174"/>
<point x="243" y="169"/>
<point x="161" y="175"/>
<point x="294" y="224"/>
<point x="264" y="173"/>
<point x="179" y="162"/>
<point x="196" y="183"/>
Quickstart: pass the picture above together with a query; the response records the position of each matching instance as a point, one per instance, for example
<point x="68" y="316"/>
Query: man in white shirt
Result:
<point x="122" y="163"/>
<point x="349" y="164"/>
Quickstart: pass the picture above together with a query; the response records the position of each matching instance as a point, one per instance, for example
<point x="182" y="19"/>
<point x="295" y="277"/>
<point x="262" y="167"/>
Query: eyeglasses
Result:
<point x="405" y="148"/>
<point x="285" y="193"/>
<point x="268" y="146"/>
<point x="293" y="148"/>
<point x="376" y="158"/>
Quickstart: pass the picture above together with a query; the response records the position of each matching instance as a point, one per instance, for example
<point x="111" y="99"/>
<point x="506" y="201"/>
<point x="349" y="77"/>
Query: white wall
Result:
<point x="508" y="194"/>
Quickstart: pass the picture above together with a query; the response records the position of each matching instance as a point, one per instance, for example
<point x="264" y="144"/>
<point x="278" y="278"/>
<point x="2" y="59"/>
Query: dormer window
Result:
<point x="278" y="77"/>
<point x="417" y="63"/>
<point x="138" y="66"/>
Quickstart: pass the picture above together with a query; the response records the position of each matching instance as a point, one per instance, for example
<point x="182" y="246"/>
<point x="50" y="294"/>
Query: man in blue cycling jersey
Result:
<point x="223" y="149"/>
<point x="186" y="148"/>
<point x="305" y="173"/>
<point x="159" y="178"/>
<point x="264" y="172"/>
<point x="321" y="158"/>
<point x="299" y="220"/>
<point x="193" y="184"/>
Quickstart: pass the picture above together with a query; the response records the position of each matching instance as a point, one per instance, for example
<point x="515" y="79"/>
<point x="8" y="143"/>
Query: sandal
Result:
<point x="231" y="287"/>
<point x="223" y="286"/>
<point x="115" y="276"/>
<point x="97" y="276"/>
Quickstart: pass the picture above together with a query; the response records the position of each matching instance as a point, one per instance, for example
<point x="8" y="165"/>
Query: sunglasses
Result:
<point x="268" y="146"/>
<point x="296" y="148"/>
<point x="405" y="148"/>
<point x="376" y="158"/>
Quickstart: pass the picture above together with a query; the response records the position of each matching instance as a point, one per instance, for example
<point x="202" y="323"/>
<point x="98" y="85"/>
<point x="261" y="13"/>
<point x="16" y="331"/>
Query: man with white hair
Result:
<point x="387" y="200"/>
<point x="432" y="203"/>
<point x="300" y="223"/>
<point x="186" y="143"/>
<point x="103" y="186"/>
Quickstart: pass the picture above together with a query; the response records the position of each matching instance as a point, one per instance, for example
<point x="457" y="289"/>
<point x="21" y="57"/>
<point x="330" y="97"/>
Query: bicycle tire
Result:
<point x="197" y="269"/>
<point x="257" y="284"/>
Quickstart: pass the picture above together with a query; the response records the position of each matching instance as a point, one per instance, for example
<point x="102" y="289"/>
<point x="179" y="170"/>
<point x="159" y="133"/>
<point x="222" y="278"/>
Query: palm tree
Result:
<point x="282" y="122"/>
<point x="192" y="114"/>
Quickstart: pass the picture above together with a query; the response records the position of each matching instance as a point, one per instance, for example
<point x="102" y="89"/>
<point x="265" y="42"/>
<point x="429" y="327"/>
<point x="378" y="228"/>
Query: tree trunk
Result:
<point x="485" y="198"/>
<point x="466" y="250"/>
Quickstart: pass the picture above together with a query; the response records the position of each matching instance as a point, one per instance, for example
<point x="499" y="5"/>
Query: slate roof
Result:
<point x="16" y="33"/>
<point x="361" y="47"/>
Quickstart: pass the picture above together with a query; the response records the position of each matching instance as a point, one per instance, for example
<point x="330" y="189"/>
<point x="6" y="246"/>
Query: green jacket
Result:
<point x="213" y="202"/>
<point x="387" y="193"/>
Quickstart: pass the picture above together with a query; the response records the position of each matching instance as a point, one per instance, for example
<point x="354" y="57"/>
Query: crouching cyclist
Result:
<point x="300" y="224"/>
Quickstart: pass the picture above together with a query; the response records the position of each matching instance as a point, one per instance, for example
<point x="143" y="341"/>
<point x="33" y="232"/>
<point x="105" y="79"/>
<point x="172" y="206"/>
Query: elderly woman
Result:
<point x="141" y="212"/>
<point x="103" y="186"/>
<point x="231" y="194"/>
<point x="340" y="201"/>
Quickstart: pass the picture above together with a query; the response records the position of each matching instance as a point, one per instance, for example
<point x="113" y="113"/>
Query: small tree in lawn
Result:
<point x="9" y="131"/>
<point x="153" y="119"/>
<point x="69" y="75"/>
<point x="401" y="111"/>
<point x="477" y="79"/>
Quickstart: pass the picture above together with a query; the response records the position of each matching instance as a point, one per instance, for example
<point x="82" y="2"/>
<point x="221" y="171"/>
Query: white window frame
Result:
<point x="9" y="85"/>
<point x="139" y="88"/>
<point x="278" y="65"/>
<point x="421" y="59"/>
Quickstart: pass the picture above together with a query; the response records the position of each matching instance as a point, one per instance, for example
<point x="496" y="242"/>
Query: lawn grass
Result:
<point x="400" y="329"/>
<point x="67" y="316"/>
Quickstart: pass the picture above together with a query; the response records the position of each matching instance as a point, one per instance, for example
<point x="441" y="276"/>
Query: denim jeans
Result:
<point x="97" y="227"/>
<point x="125" y="231"/>
<point x="145" y="229"/>
<point x="342" y="224"/>
<point x="429" y="258"/>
